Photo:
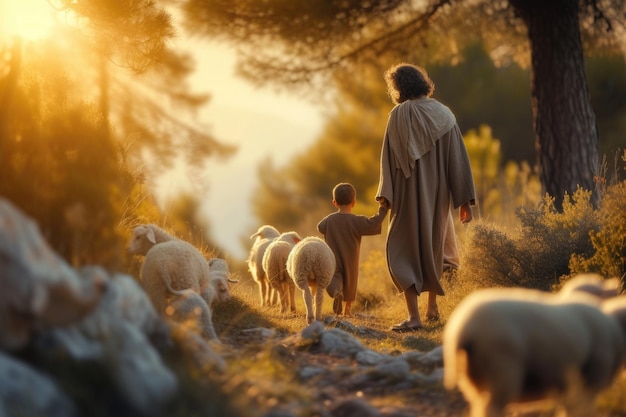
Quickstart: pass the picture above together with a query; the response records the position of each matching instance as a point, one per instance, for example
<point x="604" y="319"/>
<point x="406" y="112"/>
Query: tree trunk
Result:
<point x="566" y="137"/>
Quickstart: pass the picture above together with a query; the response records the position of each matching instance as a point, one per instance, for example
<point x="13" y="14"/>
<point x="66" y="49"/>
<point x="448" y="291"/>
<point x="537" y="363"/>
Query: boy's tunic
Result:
<point x="342" y="232"/>
<point x="424" y="172"/>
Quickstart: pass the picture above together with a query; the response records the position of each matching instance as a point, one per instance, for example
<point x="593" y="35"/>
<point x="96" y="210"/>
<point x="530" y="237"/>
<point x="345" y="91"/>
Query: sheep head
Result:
<point x="265" y="232"/>
<point x="142" y="240"/>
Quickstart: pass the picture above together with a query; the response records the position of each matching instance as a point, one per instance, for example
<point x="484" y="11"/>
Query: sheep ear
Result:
<point x="254" y="235"/>
<point x="211" y="261"/>
<point x="150" y="236"/>
<point x="234" y="281"/>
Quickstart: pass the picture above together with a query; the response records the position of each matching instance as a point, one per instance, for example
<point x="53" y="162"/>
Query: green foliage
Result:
<point x="484" y="154"/>
<point x="539" y="253"/>
<point x="483" y="93"/>
<point x="491" y="257"/>
<point x="549" y="238"/>
<point x="609" y="240"/>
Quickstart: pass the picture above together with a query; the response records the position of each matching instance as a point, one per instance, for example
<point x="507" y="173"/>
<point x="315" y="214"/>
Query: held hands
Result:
<point x="465" y="213"/>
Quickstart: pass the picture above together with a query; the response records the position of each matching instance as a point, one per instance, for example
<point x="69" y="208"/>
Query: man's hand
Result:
<point x="465" y="213"/>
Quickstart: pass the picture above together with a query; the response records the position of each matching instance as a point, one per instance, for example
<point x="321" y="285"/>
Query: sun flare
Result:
<point x="27" y="19"/>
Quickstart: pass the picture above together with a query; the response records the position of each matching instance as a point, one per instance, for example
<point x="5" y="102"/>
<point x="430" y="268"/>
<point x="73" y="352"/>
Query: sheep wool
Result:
<point x="311" y="265"/>
<point x="262" y="238"/>
<point x="275" y="267"/>
<point x="592" y="284"/>
<point x="188" y="309"/>
<point x="505" y="345"/>
<point x="219" y="277"/>
<point x="172" y="265"/>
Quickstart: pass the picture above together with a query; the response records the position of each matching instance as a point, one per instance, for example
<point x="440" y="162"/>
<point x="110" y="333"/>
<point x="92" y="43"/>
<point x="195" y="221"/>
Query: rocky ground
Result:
<point x="328" y="371"/>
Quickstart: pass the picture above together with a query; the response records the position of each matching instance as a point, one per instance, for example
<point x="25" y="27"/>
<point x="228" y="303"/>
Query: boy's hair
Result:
<point x="407" y="82"/>
<point x="344" y="193"/>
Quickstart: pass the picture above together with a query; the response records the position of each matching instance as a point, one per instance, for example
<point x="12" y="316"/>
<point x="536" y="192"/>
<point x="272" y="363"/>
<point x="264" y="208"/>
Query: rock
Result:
<point x="25" y="392"/>
<point x="394" y="370"/>
<point x="339" y="343"/>
<point x="354" y="407"/>
<point x="116" y="334"/>
<point x="39" y="289"/>
<point x="369" y="357"/>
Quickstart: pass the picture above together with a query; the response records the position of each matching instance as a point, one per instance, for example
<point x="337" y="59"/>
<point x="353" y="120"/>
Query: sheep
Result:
<point x="263" y="237"/>
<point x="169" y="264"/>
<point x="592" y="284"/>
<point x="275" y="267"/>
<point x="188" y="308"/>
<point x="145" y="236"/>
<point x="219" y="277"/>
<point x="311" y="265"/>
<point x="504" y="346"/>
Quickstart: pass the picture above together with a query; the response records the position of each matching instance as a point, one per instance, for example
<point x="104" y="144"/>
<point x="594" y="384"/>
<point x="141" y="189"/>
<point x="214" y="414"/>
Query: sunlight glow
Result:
<point x="27" y="19"/>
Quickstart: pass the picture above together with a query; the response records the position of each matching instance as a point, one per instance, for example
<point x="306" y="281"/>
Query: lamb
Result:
<point x="189" y="309"/>
<point x="145" y="236"/>
<point x="219" y="277"/>
<point x="311" y="265"/>
<point x="263" y="237"/>
<point x="275" y="267"/>
<point x="170" y="263"/>
<point x="504" y="346"/>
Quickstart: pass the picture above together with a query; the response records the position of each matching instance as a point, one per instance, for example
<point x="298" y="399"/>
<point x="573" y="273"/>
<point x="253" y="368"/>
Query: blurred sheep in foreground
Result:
<point x="311" y="265"/>
<point x="514" y="345"/>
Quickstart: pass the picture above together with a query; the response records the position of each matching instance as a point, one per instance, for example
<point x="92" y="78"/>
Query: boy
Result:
<point x="342" y="231"/>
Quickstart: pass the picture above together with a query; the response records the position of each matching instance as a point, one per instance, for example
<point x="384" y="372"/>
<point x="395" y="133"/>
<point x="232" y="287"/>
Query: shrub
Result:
<point x="539" y="252"/>
<point x="549" y="238"/>
<point x="490" y="257"/>
<point x="609" y="240"/>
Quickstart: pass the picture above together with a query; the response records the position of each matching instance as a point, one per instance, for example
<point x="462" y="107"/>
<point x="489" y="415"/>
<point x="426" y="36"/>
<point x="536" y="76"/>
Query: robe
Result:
<point x="424" y="173"/>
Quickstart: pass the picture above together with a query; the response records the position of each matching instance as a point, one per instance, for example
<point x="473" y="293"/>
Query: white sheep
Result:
<point x="219" y="277"/>
<point x="275" y="267"/>
<point x="193" y="310"/>
<point x="504" y="346"/>
<point x="262" y="238"/>
<point x="592" y="284"/>
<point x="188" y="308"/>
<point x="311" y="265"/>
<point x="171" y="265"/>
<point x="145" y="236"/>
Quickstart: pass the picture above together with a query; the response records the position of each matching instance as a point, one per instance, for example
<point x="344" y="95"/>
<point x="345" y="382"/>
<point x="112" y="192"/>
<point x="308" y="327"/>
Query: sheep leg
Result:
<point x="481" y="406"/>
<point x="282" y="296"/>
<point x="319" y="301"/>
<point x="208" y="331"/>
<point x="273" y="296"/>
<point x="264" y="286"/>
<point x="499" y="378"/>
<point x="308" y="302"/>
<point x="291" y="292"/>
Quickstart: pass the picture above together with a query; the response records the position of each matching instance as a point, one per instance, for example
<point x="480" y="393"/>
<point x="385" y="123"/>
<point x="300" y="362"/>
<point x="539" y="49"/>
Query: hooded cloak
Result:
<point x="424" y="173"/>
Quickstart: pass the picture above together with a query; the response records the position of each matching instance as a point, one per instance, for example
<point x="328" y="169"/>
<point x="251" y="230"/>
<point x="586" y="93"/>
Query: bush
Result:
<point x="609" y="241"/>
<point x="539" y="253"/>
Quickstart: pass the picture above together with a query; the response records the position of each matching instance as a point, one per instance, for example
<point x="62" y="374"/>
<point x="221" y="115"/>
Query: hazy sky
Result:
<point x="261" y="123"/>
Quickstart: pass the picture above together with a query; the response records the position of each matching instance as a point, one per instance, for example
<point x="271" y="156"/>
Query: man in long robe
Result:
<point x="424" y="173"/>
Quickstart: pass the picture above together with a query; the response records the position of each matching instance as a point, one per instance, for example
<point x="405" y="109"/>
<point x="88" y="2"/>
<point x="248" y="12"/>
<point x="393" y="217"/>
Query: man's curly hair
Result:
<point x="407" y="82"/>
